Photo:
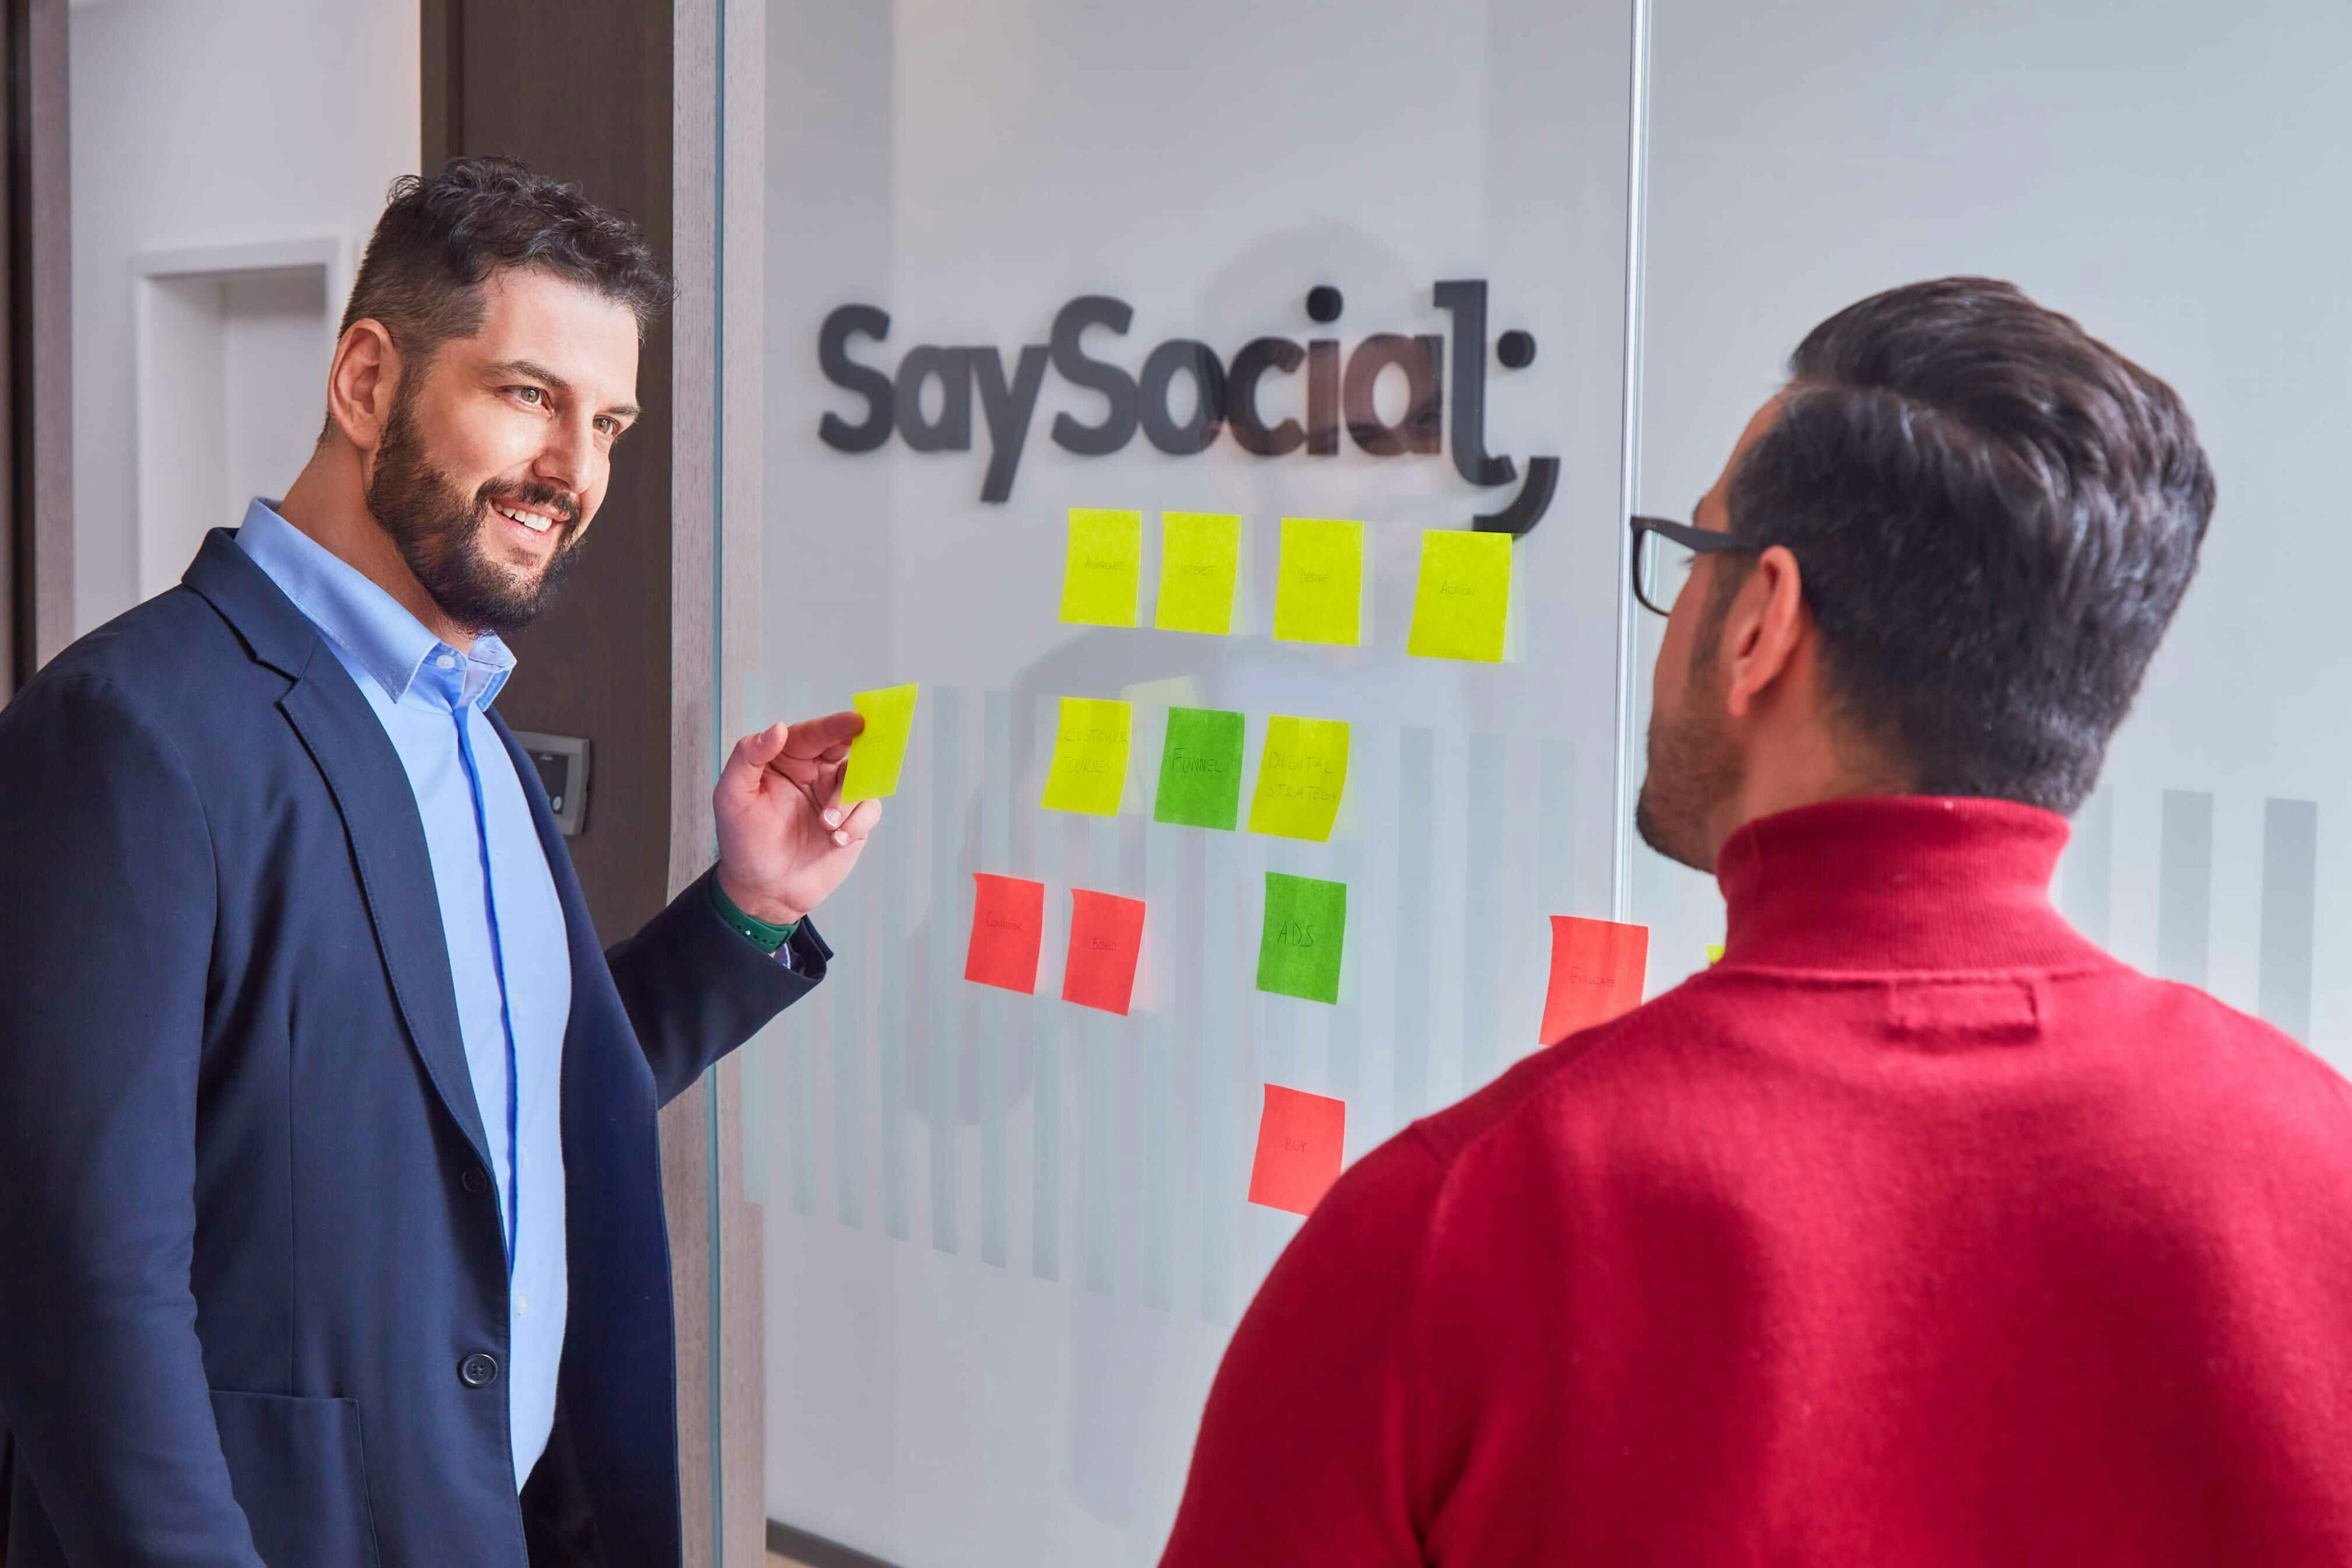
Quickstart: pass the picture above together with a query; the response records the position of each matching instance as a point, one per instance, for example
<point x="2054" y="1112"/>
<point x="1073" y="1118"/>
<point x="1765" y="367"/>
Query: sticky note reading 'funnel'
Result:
<point x="1318" y="593"/>
<point x="1597" y="969"/>
<point x="1306" y="931"/>
<point x="1104" y="569"/>
<point x="1105" y="936"/>
<point x="1463" y="596"/>
<point x="1300" y="1137"/>
<point x="1089" y="772"/>
<point x="1199" y="556"/>
<point x="875" y="755"/>
<point x="1008" y="927"/>
<point x="1300" y="776"/>
<point x="1200" y="769"/>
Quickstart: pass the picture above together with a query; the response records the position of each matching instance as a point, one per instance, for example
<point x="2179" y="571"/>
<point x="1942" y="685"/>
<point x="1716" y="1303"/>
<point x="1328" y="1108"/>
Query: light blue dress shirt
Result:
<point x="499" y="913"/>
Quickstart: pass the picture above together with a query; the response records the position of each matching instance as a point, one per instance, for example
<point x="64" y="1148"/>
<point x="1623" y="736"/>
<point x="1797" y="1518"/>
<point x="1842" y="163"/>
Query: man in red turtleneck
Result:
<point x="1917" y="1230"/>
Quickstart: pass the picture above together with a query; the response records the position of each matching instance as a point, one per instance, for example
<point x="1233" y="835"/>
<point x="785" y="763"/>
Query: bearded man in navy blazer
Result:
<point x="329" y="1192"/>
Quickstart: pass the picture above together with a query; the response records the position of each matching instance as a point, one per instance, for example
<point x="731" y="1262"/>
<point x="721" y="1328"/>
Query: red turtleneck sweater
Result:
<point x="1917" y="1231"/>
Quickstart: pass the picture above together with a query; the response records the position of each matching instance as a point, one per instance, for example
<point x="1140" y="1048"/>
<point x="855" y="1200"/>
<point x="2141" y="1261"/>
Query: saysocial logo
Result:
<point x="1223" y="396"/>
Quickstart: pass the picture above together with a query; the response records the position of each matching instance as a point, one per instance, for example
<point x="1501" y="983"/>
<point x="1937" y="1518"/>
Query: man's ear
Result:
<point x="361" y="383"/>
<point x="1764" y="624"/>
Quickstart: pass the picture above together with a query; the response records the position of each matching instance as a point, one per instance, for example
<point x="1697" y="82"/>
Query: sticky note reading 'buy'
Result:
<point x="1105" y="936"/>
<point x="1597" y="970"/>
<point x="1104" y="569"/>
<point x="1200" y="769"/>
<point x="1300" y="1138"/>
<point x="1301" y="775"/>
<point x="1008" y="927"/>
<point x="1305" y="932"/>
<point x="1318" y="592"/>
<point x="1464" y="596"/>
<point x="881" y="747"/>
<point x="1089" y="772"/>
<point x="1200" y="557"/>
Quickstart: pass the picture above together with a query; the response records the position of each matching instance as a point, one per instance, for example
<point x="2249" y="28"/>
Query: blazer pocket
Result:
<point x="300" y="1475"/>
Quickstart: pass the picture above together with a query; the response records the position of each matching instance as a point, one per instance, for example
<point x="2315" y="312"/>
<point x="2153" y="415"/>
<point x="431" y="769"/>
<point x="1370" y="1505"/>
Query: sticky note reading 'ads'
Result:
<point x="1318" y="592"/>
<point x="881" y="747"/>
<point x="1200" y="769"/>
<point x="1463" y="596"/>
<point x="1300" y="1138"/>
<point x="1106" y="938"/>
<point x="1306" y="931"/>
<point x="1301" y="775"/>
<point x="1597" y="970"/>
<point x="1199" y="558"/>
<point x="1008" y="927"/>
<point x="1105" y="567"/>
<point x="1089" y="772"/>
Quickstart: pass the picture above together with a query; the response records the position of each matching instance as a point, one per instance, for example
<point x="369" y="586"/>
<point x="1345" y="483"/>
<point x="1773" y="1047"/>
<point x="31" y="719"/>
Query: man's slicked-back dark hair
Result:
<point x="1994" y="516"/>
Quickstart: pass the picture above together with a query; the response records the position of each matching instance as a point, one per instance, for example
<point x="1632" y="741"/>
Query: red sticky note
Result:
<point x="1106" y="935"/>
<point x="1597" y="970"/>
<point x="1299" y="1140"/>
<point x="1008" y="925"/>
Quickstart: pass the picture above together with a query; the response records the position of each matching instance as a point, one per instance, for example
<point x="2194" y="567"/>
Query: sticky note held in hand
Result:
<point x="1105" y="939"/>
<point x="1301" y="774"/>
<point x="1318" y="592"/>
<point x="1089" y="772"/>
<point x="1008" y="927"/>
<point x="1301" y="1139"/>
<point x="1200" y="769"/>
<point x="1597" y="971"/>
<point x="1200" y="558"/>
<point x="1104" y="569"/>
<point x="1463" y="596"/>
<point x="881" y="747"/>
<point x="1306" y="931"/>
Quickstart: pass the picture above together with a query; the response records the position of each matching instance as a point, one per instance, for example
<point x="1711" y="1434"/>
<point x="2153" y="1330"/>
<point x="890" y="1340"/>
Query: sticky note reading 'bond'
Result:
<point x="1200" y="769"/>
<point x="1300" y="1137"/>
<point x="1106" y="938"/>
<point x="1200" y="557"/>
<point x="1105" y="567"/>
<point x="1463" y="596"/>
<point x="1306" y="931"/>
<point x="1008" y="927"/>
<point x="1301" y="775"/>
<point x="1597" y="970"/>
<point x="881" y="747"/>
<point x="1089" y="772"/>
<point x="1318" y="593"/>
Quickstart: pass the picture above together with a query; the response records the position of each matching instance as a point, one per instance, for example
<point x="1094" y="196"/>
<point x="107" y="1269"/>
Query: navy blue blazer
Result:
<point x="253" y="1296"/>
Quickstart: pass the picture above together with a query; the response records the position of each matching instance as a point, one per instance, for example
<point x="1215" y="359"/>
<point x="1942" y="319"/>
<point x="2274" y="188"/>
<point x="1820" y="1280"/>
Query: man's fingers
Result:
<point x="857" y="823"/>
<point x="752" y="754"/>
<point x="812" y="737"/>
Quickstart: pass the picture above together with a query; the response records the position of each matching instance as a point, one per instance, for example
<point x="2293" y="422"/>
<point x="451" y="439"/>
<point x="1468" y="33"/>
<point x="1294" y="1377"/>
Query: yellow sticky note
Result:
<point x="1300" y="776"/>
<point x="874" y="756"/>
<point x="1089" y="768"/>
<point x="1319" y="594"/>
<point x="1463" y="594"/>
<point x="1200" y="555"/>
<point x="1105" y="567"/>
<point x="1715" y="952"/>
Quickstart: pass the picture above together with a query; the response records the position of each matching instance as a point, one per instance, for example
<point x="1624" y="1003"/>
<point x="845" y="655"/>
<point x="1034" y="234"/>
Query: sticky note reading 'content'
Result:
<point x="1318" y="593"/>
<point x="1089" y="768"/>
<point x="1105" y="567"/>
<point x="1200" y="557"/>
<point x="1597" y="970"/>
<point x="1300" y="777"/>
<point x="1300" y="1137"/>
<point x="1306" y="931"/>
<point x="1200" y="769"/>
<point x="1105" y="936"/>
<point x="1008" y="926"/>
<point x="875" y="755"/>
<point x="1463" y="596"/>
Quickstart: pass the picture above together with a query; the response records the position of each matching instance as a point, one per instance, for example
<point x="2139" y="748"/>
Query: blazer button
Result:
<point x="478" y="1371"/>
<point x="474" y="1182"/>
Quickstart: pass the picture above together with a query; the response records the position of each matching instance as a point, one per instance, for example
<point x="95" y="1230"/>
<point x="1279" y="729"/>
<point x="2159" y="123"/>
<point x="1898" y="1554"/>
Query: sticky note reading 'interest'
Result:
<point x="1318" y="593"/>
<point x="1300" y="776"/>
<point x="1463" y="596"/>
<point x="1300" y="1137"/>
<point x="1199" y="556"/>
<point x="1597" y="969"/>
<point x="1089" y="768"/>
<point x="1105" y="936"/>
<point x="1008" y="926"/>
<point x="1105" y="567"/>
<point x="1306" y="931"/>
<point x="1200" y="769"/>
<point x="875" y="755"/>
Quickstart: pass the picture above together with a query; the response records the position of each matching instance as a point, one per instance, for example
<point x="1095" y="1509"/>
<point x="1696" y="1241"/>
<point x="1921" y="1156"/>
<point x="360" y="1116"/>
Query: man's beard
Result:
<point x="1693" y="769"/>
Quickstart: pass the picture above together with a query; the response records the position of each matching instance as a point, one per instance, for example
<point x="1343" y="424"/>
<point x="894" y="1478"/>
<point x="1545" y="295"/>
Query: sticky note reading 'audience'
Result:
<point x="1463" y="596"/>
<point x="1200" y="557"/>
<point x="1300" y="1137"/>
<point x="1318" y="592"/>
<point x="1200" y="769"/>
<point x="1301" y="774"/>
<point x="1306" y="930"/>
<point x="881" y="747"/>
<point x="1597" y="970"/>
<point x="1105" y="936"/>
<point x="1008" y="927"/>
<point x="1089" y="772"/>
<point x="1105" y="567"/>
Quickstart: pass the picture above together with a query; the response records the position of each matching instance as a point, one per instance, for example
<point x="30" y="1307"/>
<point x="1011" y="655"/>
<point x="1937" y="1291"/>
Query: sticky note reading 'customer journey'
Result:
<point x="881" y="747"/>
<point x="1089" y="772"/>
<point x="1318" y="592"/>
<point x="1106" y="938"/>
<point x="1199" y="558"/>
<point x="1597" y="970"/>
<point x="1301" y="774"/>
<point x="1306" y="931"/>
<point x="1105" y="567"/>
<point x="1200" y="769"/>
<point x="1300" y="1138"/>
<point x="1008" y="928"/>
<point x="1463" y="596"/>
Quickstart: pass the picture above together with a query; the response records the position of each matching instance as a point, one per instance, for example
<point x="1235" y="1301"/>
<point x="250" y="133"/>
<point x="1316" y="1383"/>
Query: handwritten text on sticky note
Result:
<point x="1300" y="1139"/>
<point x="1318" y="593"/>
<point x="1464" y="596"/>
<point x="875" y="755"/>
<point x="1200" y="769"/>
<point x="1301" y="774"/>
<point x="1089" y="772"/>
<point x="1008" y="927"/>
<point x="1106" y="938"/>
<point x="1104" y="568"/>
<point x="1200" y="557"/>
<point x="1306" y="932"/>
<point x="1597" y="971"/>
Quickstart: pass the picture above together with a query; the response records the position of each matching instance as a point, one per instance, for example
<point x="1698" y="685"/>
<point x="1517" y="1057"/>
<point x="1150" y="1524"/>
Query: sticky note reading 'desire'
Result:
<point x="1105" y="567"/>
<point x="875" y="755"/>
<point x="1463" y="596"/>
<point x="1597" y="971"/>
<point x="1318" y="592"/>
<point x="1008" y="927"/>
<point x="1301" y="774"/>
<point x="1200" y="769"/>
<point x="1300" y="1137"/>
<point x="1305" y="932"/>
<point x="1199" y="558"/>
<point x="1089" y="772"/>
<point x="1105" y="939"/>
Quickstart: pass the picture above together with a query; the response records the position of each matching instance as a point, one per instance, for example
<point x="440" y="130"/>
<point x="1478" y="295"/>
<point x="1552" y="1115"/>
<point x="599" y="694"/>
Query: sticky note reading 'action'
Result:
<point x="875" y="755"/>
<point x="1200" y="557"/>
<point x="1300" y="776"/>
<point x="1200" y="769"/>
<point x="1300" y="1137"/>
<point x="1597" y="970"/>
<point x="1306" y="930"/>
<point x="1089" y="772"/>
<point x="1105" y="936"/>
<point x="1463" y="596"/>
<point x="1105" y="567"/>
<point x="1318" y="592"/>
<point x="1008" y="927"/>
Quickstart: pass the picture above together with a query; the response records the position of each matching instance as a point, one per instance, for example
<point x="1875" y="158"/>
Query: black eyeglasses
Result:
<point x="1663" y="550"/>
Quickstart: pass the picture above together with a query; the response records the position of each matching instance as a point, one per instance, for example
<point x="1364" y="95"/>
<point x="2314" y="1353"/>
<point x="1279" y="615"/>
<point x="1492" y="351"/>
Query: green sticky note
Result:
<point x="1318" y="592"/>
<point x="1300" y="776"/>
<point x="1104" y="569"/>
<point x="881" y="746"/>
<point x="1199" y="556"/>
<point x="1306" y="927"/>
<point x="1200" y="769"/>
<point x="1089" y="772"/>
<point x="1463" y="594"/>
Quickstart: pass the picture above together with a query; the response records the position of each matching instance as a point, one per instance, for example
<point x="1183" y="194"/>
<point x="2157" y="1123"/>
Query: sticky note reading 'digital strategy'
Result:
<point x="875" y="756"/>
<point x="1301" y="774"/>
<point x="1103" y="570"/>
